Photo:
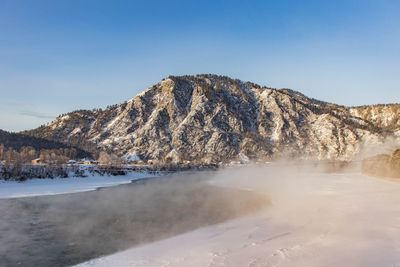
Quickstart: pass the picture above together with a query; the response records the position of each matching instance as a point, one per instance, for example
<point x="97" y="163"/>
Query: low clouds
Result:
<point x="37" y="115"/>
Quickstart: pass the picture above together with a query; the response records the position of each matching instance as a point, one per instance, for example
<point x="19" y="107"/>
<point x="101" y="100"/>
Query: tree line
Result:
<point x="26" y="154"/>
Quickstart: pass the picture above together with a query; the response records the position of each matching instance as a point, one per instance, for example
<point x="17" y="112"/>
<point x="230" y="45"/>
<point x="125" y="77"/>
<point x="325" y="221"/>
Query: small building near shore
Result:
<point x="87" y="162"/>
<point x="36" y="161"/>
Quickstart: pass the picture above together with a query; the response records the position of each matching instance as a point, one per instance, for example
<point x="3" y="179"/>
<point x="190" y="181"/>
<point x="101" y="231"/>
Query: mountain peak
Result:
<point x="213" y="118"/>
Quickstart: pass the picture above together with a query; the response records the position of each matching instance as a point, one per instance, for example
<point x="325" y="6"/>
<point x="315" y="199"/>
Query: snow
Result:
<point x="75" y="131"/>
<point x="59" y="122"/>
<point x="243" y="157"/>
<point x="132" y="156"/>
<point x="111" y="124"/>
<point x="314" y="220"/>
<point x="40" y="187"/>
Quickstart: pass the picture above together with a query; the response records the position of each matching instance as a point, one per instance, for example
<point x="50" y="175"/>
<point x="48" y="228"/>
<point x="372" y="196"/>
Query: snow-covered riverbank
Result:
<point x="315" y="220"/>
<point x="39" y="187"/>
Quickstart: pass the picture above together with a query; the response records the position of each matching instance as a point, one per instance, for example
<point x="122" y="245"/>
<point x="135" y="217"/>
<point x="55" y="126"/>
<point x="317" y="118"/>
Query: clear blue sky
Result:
<point x="57" y="56"/>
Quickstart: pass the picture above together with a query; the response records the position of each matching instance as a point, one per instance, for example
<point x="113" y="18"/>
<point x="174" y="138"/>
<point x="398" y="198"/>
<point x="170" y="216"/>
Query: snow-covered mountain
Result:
<point x="385" y="116"/>
<point x="210" y="118"/>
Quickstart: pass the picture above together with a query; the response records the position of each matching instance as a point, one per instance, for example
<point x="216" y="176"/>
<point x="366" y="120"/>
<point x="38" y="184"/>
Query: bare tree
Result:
<point x="116" y="161"/>
<point x="11" y="155"/>
<point x="109" y="159"/>
<point x="27" y="154"/>
<point x="1" y="151"/>
<point x="104" y="158"/>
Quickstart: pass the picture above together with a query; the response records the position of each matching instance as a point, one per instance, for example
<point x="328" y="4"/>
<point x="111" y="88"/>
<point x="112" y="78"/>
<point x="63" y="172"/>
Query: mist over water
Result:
<point x="318" y="218"/>
<point x="318" y="215"/>
<point x="67" y="229"/>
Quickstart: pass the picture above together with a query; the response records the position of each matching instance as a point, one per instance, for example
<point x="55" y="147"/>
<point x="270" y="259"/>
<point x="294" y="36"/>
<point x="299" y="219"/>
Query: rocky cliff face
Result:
<point x="209" y="118"/>
<point x="385" y="116"/>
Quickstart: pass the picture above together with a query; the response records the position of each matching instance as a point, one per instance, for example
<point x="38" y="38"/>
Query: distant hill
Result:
<point x="209" y="118"/>
<point x="17" y="141"/>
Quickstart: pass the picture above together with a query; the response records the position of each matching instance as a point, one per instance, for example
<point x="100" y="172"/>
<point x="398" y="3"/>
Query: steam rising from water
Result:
<point x="315" y="218"/>
<point x="68" y="229"/>
<point x="292" y="214"/>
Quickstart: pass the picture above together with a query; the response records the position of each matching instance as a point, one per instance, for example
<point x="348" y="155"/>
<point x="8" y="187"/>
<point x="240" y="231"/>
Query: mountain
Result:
<point x="210" y="118"/>
<point x="386" y="116"/>
<point x="17" y="141"/>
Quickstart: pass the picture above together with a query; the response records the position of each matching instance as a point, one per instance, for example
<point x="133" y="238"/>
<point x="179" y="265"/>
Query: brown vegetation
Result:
<point x="27" y="162"/>
<point x="383" y="165"/>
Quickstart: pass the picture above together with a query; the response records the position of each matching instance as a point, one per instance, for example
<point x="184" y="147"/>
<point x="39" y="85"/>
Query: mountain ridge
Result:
<point x="17" y="141"/>
<point x="210" y="118"/>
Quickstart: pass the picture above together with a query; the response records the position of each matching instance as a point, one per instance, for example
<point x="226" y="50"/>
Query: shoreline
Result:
<point x="68" y="229"/>
<point x="337" y="215"/>
<point x="63" y="186"/>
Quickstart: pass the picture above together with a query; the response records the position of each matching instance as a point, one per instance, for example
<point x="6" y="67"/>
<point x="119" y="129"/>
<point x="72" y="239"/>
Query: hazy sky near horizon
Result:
<point x="58" y="56"/>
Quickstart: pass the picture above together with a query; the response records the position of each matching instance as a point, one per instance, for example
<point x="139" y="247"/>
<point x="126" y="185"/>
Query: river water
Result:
<point x="67" y="229"/>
